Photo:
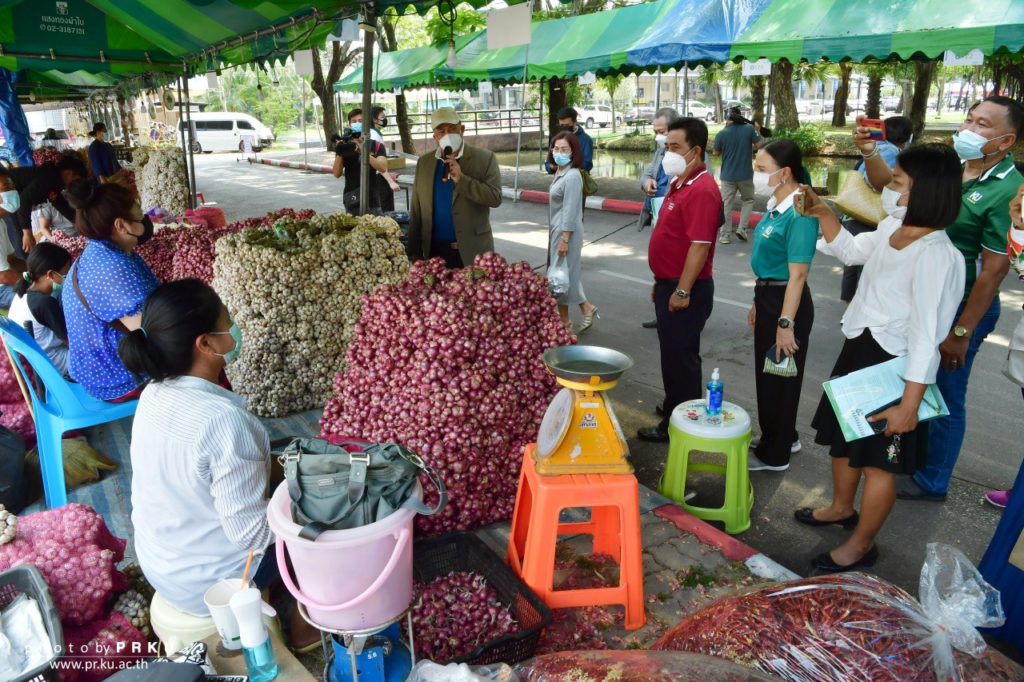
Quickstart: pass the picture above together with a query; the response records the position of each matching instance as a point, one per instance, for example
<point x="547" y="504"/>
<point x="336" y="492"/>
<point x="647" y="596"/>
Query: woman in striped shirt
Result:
<point x="200" y="460"/>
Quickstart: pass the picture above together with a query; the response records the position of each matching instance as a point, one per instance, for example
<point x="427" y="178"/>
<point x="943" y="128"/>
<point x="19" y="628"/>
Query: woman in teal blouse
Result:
<point x="781" y="317"/>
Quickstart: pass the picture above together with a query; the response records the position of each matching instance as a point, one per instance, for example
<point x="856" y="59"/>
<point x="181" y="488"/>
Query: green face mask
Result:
<point x="232" y="354"/>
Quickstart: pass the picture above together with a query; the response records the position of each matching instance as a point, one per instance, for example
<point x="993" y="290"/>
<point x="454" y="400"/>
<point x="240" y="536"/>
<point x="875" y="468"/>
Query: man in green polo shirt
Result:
<point x="990" y="181"/>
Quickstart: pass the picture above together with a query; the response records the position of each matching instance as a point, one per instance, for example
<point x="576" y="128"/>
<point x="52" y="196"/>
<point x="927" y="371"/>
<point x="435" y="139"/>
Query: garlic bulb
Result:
<point x="8" y="525"/>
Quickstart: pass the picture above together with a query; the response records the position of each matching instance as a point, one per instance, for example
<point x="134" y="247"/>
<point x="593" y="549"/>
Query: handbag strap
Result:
<point x="116" y="324"/>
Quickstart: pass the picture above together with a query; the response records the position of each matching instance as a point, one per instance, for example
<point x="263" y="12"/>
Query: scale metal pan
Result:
<point x="581" y="363"/>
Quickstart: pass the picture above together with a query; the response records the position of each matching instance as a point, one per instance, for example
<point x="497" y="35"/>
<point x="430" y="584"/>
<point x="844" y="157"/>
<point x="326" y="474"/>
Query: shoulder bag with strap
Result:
<point x="589" y="183"/>
<point x="352" y="484"/>
<point x="116" y="324"/>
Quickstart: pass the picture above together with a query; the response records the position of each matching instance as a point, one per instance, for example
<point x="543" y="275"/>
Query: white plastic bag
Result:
<point x="558" y="277"/>
<point x="428" y="671"/>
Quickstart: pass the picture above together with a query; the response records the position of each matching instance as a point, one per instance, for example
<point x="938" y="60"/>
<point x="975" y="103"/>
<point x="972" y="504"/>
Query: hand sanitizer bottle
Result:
<point x="714" y="402"/>
<point x="257" y="649"/>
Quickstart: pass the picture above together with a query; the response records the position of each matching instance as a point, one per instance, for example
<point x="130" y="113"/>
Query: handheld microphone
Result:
<point x="444" y="158"/>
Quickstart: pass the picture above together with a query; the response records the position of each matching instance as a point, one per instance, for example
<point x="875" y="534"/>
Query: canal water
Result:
<point x="616" y="164"/>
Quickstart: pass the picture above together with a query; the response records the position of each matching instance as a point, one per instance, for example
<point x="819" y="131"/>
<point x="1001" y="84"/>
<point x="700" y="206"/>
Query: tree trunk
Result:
<point x="323" y="84"/>
<point x="906" y="98"/>
<point x="783" y="98"/>
<point x="757" y="86"/>
<point x="922" y="88"/>
<point x="842" y="95"/>
<point x="719" y="114"/>
<point x="389" y="43"/>
<point x="556" y="101"/>
<point x="873" y="105"/>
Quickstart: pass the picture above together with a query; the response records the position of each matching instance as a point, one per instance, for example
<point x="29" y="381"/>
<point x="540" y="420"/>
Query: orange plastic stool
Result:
<point x="614" y="523"/>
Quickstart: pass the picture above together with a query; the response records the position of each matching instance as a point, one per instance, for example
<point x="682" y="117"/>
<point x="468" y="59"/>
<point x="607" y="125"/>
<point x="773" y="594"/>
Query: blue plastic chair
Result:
<point x="63" y="407"/>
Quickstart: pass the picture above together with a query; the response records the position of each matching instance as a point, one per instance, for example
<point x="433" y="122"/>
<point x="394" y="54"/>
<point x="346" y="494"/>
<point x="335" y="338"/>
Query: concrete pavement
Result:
<point x="616" y="278"/>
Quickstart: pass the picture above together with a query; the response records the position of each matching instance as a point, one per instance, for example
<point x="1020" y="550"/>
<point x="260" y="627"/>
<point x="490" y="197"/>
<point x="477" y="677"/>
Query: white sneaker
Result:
<point x="725" y="239"/>
<point x="754" y="464"/>
<point x="796" y="447"/>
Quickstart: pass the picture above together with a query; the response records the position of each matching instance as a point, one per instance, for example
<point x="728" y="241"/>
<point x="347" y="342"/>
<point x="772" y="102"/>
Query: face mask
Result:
<point x="761" y="182"/>
<point x="57" y="287"/>
<point x="567" y="129"/>
<point x="383" y="123"/>
<point x="10" y="201"/>
<point x="232" y="354"/>
<point x="147" y="231"/>
<point x="660" y="140"/>
<point x="453" y="140"/>
<point x="910" y="141"/>
<point x="357" y="127"/>
<point x="890" y="205"/>
<point x="968" y="144"/>
<point x="674" y="164"/>
<point x="562" y="159"/>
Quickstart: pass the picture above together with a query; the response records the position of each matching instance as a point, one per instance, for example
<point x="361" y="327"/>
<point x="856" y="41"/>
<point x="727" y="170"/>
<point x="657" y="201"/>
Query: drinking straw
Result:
<point x="245" y="574"/>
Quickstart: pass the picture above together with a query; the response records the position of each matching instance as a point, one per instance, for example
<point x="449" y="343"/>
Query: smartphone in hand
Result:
<point x="875" y="126"/>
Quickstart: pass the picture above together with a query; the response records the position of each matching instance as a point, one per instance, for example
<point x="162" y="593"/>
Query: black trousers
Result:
<point x="452" y="257"/>
<point x="679" y="338"/>
<point x="778" y="398"/>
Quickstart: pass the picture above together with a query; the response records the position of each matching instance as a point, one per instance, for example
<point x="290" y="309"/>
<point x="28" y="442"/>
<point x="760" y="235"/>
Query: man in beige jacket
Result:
<point x="456" y="186"/>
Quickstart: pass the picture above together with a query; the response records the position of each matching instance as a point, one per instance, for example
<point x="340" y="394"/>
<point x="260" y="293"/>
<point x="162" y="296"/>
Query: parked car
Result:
<point x="639" y="115"/>
<point x="224" y="131"/>
<point x="697" y="110"/>
<point x="745" y="109"/>
<point x="592" y="115"/>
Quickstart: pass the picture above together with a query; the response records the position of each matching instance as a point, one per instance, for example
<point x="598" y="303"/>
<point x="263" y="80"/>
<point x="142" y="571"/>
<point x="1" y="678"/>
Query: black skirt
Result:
<point x="873" y="451"/>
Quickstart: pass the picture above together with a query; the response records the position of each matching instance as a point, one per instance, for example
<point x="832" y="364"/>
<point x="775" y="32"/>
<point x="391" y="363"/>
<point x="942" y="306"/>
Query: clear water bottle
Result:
<point x="714" y="401"/>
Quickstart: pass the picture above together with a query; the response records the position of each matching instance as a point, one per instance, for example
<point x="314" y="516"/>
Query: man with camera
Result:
<point x="348" y="152"/>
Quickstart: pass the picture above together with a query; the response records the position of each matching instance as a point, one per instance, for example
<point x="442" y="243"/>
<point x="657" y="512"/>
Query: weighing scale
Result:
<point x="579" y="433"/>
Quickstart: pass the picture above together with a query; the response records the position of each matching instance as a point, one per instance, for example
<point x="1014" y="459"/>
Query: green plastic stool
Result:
<point x="690" y="428"/>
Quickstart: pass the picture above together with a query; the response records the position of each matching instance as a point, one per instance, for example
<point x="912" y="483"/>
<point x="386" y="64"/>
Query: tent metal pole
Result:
<point x="369" y="27"/>
<point x="771" y="89"/>
<point x="184" y="125"/>
<point x="522" y="113"/>
<point x="191" y="154"/>
<point x="540" y="118"/>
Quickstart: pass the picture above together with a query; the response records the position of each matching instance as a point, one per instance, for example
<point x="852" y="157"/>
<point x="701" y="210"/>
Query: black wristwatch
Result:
<point x="786" y="323"/>
<point x="682" y="293"/>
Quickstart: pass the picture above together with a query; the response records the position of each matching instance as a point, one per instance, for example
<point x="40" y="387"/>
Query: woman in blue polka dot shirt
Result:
<point x="107" y="286"/>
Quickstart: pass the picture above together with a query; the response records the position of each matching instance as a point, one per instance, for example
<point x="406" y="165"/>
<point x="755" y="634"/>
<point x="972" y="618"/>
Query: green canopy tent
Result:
<point x="404" y="68"/>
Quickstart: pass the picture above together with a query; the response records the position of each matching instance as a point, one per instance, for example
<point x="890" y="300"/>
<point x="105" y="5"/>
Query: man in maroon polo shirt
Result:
<point x="680" y="254"/>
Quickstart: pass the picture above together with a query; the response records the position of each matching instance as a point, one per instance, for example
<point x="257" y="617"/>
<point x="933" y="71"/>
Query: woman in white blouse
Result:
<point x="200" y="460"/>
<point x="912" y="282"/>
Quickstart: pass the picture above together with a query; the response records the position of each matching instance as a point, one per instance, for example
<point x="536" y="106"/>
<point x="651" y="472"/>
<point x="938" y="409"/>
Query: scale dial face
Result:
<point x="555" y="423"/>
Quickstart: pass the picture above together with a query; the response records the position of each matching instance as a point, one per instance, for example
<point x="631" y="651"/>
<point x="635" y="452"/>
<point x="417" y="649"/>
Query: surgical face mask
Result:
<point x="660" y="140"/>
<point x="762" y="182"/>
<point x="561" y="159"/>
<point x="567" y="129"/>
<point x="453" y="140"/>
<point x="383" y="122"/>
<point x="357" y="127"/>
<point x="147" y="231"/>
<point x="10" y="201"/>
<point x="57" y="287"/>
<point x="232" y="354"/>
<point x="890" y="203"/>
<point x="674" y="164"/>
<point x="968" y="144"/>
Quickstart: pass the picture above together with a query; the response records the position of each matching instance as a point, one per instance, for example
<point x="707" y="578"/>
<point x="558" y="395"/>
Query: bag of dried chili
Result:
<point x="852" y="626"/>
<point x="635" y="666"/>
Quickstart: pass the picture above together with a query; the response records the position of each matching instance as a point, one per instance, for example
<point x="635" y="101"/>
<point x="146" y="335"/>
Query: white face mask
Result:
<point x="453" y="140"/>
<point x="890" y="203"/>
<point x="761" y="181"/>
<point x="660" y="140"/>
<point x="674" y="164"/>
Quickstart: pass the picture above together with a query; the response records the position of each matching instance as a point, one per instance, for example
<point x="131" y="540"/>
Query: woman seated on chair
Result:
<point x="37" y="301"/>
<point x="106" y="287"/>
<point x="200" y="460"/>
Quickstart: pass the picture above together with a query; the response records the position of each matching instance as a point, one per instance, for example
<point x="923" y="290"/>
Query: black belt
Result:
<point x="770" y="282"/>
<point x="448" y="245"/>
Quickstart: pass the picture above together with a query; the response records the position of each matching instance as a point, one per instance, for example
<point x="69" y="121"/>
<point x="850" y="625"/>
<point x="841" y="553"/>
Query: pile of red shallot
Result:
<point x="448" y="363"/>
<point x="457" y="613"/>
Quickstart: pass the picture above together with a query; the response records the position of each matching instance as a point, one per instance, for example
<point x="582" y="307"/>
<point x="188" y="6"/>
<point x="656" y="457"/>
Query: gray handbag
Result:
<point x="352" y="484"/>
<point x="1013" y="368"/>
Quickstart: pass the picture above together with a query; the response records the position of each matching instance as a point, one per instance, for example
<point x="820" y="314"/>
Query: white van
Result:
<point x="224" y="130"/>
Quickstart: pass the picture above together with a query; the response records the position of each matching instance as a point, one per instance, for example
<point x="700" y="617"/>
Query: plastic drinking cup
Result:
<point x="217" y="599"/>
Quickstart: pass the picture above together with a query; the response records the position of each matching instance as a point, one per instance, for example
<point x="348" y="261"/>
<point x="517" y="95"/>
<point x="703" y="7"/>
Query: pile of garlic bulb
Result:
<point x="296" y="292"/>
<point x="161" y="177"/>
<point x="8" y="525"/>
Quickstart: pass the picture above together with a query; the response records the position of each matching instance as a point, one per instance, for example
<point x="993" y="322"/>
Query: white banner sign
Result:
<point x="509" y="27"/>
<point x="349" y="32"/>
<point x="303" y="62"/>
<point x="588" y="78"/>
<point x="762" y="67"/>
<point x="211" y="80"/>
<point x="484" y="87"/>
<point x="972" y="58"/>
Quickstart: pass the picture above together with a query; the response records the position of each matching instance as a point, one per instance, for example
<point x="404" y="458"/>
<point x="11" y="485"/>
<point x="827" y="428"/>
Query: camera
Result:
<point x="344" y="144"/>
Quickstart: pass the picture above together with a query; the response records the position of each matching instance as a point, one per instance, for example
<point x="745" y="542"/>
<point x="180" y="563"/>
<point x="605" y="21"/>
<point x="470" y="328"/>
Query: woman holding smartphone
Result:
<point x="912" y="283"/>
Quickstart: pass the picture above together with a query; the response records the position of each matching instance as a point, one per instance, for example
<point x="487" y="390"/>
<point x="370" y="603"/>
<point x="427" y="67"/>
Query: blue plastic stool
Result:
<point x="64" y="406"/>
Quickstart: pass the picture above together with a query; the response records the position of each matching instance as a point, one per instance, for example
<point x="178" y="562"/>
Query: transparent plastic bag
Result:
<point x="428" y="671"/>
<point x="635" y="666"/>
<point x="558" y="277"/>
<point x="851" y="626"/>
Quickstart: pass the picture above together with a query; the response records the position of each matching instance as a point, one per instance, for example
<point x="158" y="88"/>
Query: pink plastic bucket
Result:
<point x="347" y="579"/>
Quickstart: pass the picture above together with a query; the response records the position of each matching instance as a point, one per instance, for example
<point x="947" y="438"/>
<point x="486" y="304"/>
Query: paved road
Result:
<point x="617" y="279"/>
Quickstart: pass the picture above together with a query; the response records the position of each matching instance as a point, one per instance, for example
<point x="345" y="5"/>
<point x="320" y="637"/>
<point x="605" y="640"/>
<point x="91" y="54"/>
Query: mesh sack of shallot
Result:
<point x="851" y="627"/>
<point x="448" y="363"/>
<point x="296" y="293"/>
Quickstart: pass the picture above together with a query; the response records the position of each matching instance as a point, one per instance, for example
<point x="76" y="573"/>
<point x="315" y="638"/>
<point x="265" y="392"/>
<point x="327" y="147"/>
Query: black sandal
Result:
<point x="806" y="515"/>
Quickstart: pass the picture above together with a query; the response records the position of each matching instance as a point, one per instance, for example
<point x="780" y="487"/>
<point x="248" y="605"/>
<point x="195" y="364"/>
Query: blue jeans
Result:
<point x="6" y="296"/>
<point x="946" y="434"/>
